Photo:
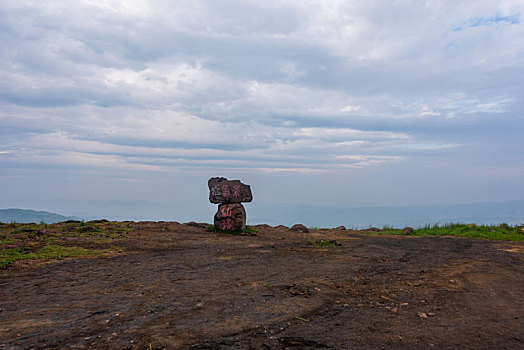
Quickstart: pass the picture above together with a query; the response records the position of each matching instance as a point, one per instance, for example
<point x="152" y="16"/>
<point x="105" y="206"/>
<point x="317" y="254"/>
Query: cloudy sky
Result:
<point x="126" y="108"/>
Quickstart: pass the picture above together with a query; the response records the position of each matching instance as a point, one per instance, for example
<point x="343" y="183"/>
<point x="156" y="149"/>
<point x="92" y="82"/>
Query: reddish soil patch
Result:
<point x="178" y="286"/>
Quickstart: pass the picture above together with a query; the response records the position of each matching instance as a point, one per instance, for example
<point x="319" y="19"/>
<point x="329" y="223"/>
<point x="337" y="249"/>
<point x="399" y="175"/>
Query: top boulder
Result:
<point x="222" y="190"/>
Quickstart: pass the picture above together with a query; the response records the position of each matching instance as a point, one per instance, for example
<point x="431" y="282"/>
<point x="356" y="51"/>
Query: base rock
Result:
<point x="230" y="217"/>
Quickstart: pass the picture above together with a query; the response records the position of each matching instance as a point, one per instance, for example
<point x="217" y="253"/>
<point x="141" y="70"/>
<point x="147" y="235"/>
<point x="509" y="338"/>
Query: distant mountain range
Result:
<point x="26" y="215"/>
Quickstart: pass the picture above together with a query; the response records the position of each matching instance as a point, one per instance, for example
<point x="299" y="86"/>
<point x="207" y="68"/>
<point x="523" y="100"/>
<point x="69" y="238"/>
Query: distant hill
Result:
<point x="26" y="215"/>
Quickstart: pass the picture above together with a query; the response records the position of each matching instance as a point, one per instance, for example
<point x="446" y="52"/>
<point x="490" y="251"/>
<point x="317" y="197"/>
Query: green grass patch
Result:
<point x="322" y="243"/>
<point x="502" y="232"/>
<point x="8" y="256"/>
<point x="56" y="241"/>
<point x="315" y="228"/>
<point x="247" y="231"/>
<point x="6" y="240"/>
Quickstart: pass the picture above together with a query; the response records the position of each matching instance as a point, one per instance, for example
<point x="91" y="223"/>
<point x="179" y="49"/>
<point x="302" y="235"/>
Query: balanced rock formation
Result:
<point x="231" y="215"/>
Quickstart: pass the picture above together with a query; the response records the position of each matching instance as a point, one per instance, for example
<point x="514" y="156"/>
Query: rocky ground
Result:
<point x="178" y="286"/>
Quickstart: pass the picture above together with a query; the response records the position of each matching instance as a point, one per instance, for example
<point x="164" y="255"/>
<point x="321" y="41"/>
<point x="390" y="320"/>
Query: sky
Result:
<point x="124" y="109"/>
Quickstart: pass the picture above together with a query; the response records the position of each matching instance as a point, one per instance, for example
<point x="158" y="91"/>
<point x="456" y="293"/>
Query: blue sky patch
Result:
<point x="486" y="21"/>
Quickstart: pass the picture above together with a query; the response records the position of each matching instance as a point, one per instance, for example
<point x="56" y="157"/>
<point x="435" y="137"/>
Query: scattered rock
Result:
<point x="422" y="315"/>
<point x="230" y="217"/>
<point x="341" y="227"/>
<point x="298" y="290"/>
<point x="373" y="229"/>
<point x="222" y="191"/>
<point x="407" y="230"/>
<point x="299" y="228"/>
<point x="394" y="309"/>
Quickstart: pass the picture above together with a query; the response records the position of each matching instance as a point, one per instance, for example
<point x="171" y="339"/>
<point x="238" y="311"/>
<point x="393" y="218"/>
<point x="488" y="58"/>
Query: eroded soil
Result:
<point x="176" y="286"/>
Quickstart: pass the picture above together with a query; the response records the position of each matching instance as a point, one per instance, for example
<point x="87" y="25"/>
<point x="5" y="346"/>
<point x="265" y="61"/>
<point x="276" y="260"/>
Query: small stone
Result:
<point x="394" y="309"/>
<point x="422" y="315"/>
<point x="404" y="304"/>
<point x="299" y="228"/>
<point x="431" y="314"/>
<point x="341" y="227"/>
<point x="407" y="230"/>
<point x="199" y="305"/>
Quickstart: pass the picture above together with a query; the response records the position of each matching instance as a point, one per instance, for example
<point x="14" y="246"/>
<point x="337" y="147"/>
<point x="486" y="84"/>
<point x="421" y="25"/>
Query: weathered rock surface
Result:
<point x="183" y="288"/>
<point x="222" y="190"/>
<point x="230" y="217"/>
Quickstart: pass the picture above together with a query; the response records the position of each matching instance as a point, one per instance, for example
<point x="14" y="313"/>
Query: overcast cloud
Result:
<point x="345" y="102"/>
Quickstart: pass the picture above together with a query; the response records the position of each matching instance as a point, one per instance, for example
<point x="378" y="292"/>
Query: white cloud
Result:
<point x="306" y="87"/>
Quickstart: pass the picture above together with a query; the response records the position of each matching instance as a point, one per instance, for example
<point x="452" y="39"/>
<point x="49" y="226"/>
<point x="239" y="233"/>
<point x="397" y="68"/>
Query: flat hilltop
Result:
<point x="167" y="285"/>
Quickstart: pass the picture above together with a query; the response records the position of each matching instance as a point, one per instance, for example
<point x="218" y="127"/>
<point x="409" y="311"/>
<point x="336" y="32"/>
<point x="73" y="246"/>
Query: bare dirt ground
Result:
<point x="180" y="287"/>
